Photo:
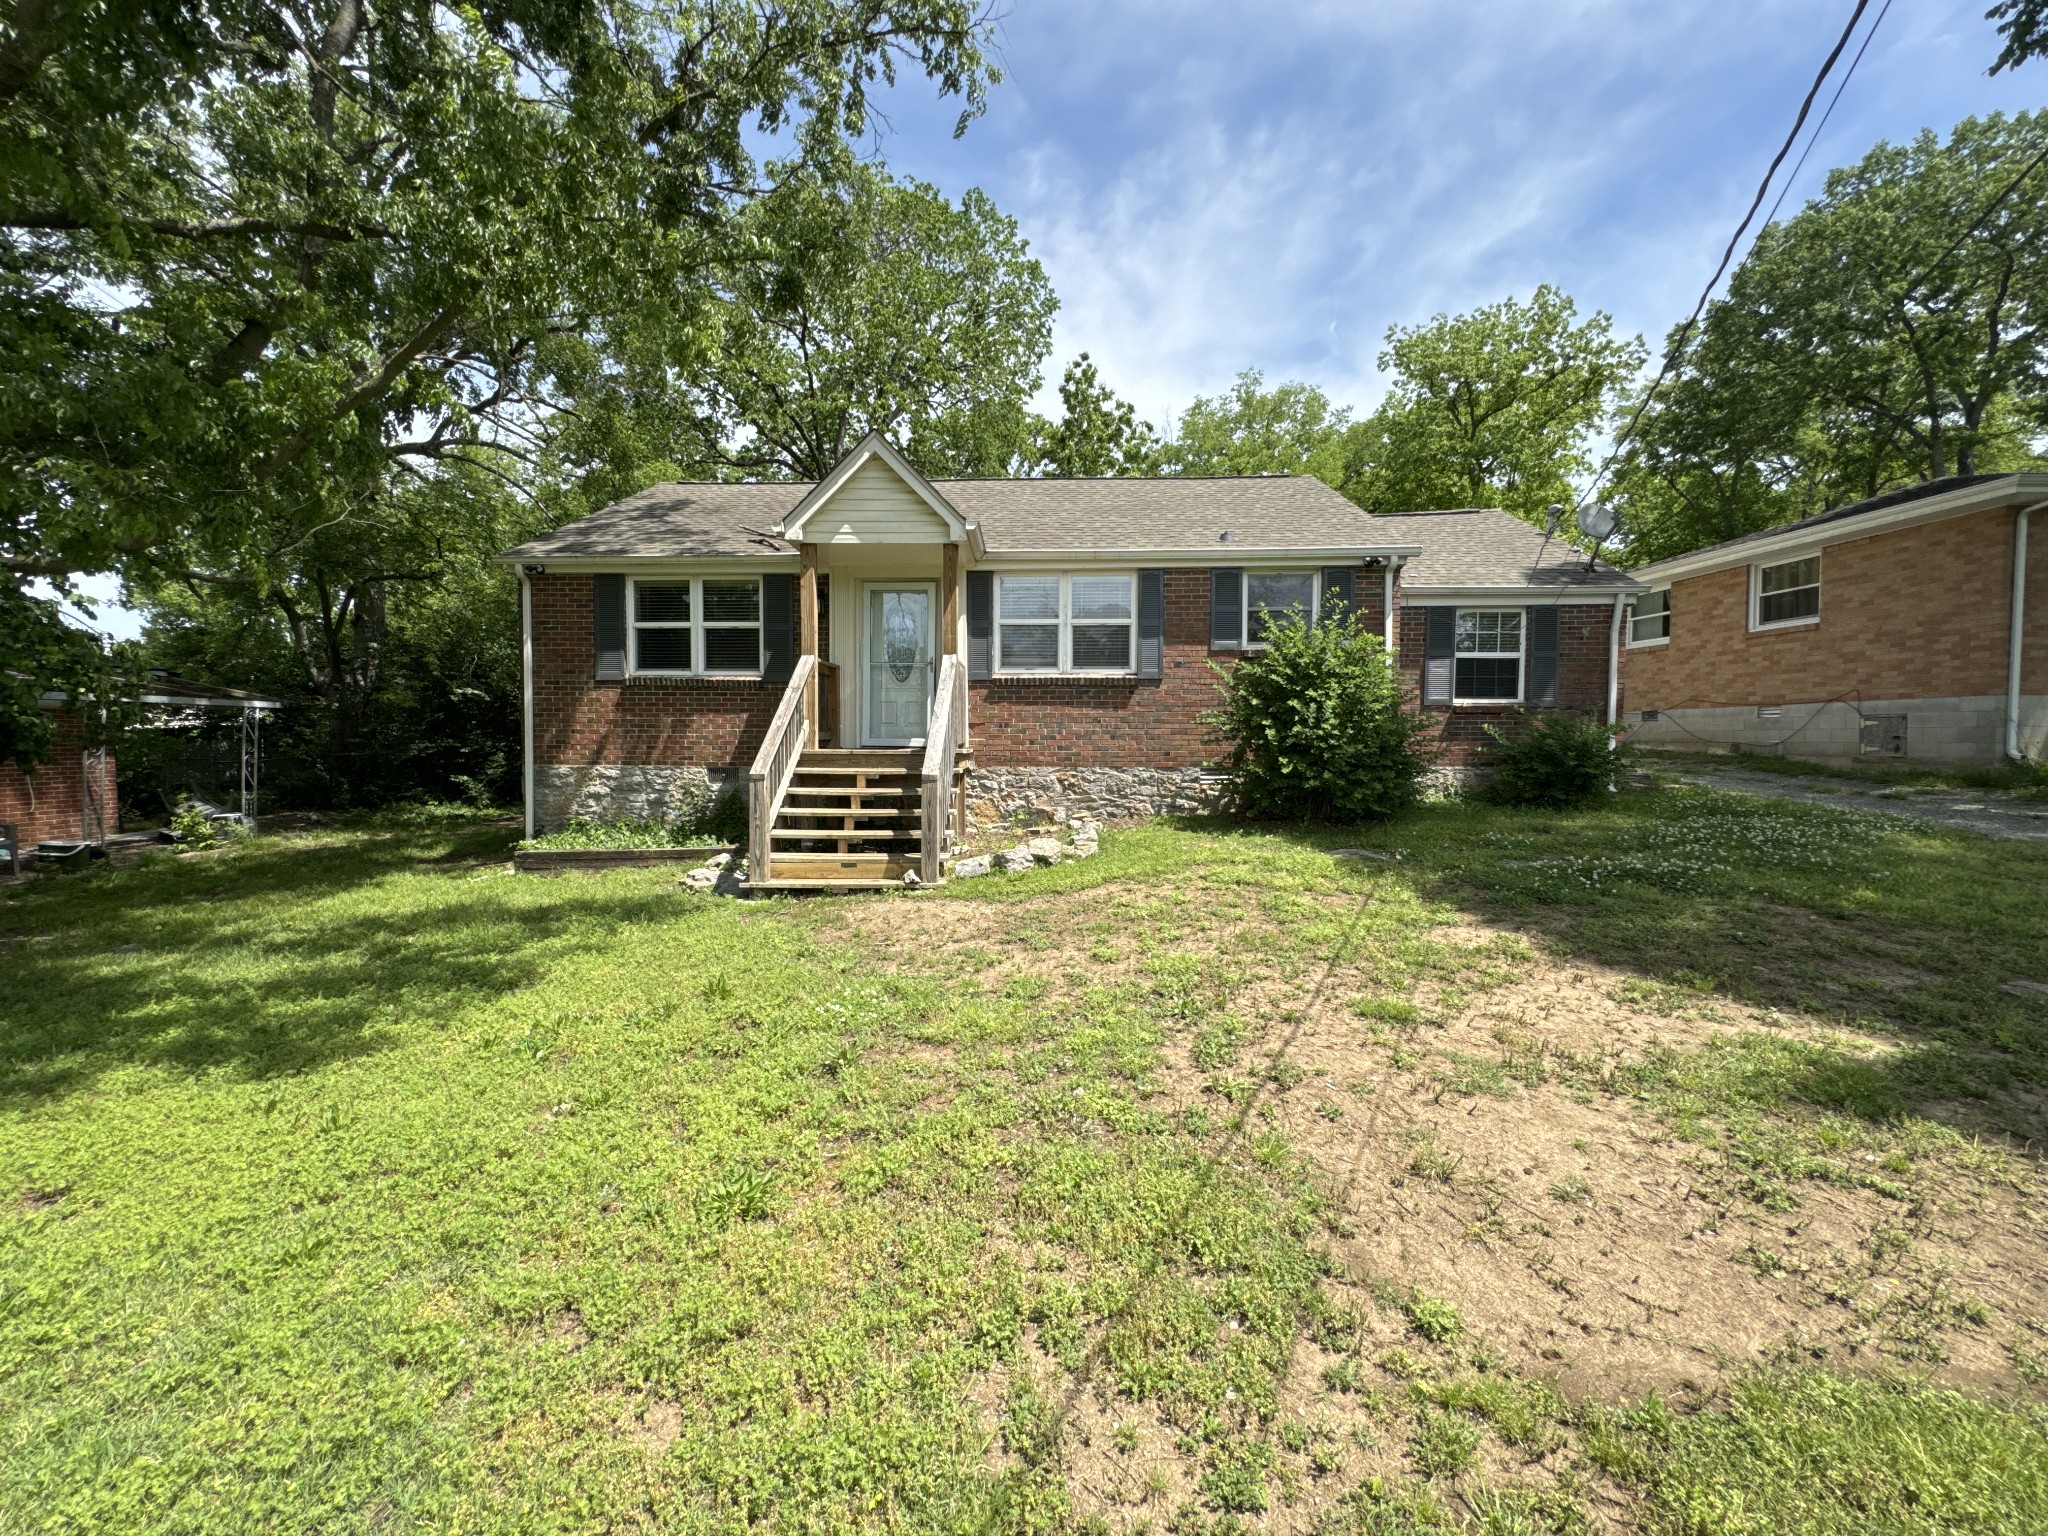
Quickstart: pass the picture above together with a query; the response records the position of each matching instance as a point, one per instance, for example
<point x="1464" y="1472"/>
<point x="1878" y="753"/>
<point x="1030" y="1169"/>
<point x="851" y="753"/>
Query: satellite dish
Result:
<point x="1552" y="516"/>
<point x="1598" y="522"/>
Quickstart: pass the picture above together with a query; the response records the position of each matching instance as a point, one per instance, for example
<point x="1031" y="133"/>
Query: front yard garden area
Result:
<point x="1673" y="1167"/>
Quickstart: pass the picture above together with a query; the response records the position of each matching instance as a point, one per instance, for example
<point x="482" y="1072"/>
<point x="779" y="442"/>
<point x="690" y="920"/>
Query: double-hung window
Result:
<point x="1266" y="598"/>
<point x="709" y="625"/>
<point x="1788" y="593"/>
<point x="1650" y="621"/>
<point x="1065" y="623"/>
<point x="1488" y="657"/>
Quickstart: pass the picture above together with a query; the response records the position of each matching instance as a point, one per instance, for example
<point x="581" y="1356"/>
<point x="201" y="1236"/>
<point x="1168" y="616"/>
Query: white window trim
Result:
<point x="1245" y="642"/>
<point x="1756" y="592"/>
<point x="1520" y="654"/>
<point x="1065" y="621"/>
<point x="696" y="626"/>
<point x="1632" y="642"/>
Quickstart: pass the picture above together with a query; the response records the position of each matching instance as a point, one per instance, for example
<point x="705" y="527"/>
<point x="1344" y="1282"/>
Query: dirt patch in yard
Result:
<point x="1456" y="1084"/>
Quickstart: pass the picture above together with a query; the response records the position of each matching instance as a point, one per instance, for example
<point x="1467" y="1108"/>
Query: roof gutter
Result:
<point x="2016" y="644"/>
<point x="1988" y="497"/>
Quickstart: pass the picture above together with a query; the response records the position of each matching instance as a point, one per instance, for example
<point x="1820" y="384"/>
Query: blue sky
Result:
<point x="1239" y="184"/>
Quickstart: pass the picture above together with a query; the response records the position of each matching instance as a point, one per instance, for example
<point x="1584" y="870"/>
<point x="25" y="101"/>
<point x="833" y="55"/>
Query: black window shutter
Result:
<point x="608" y="623"/>
<point x="1337" y="590"/>
<point x="1151" y="623"/>
<point x="1226" y="608"/>
<point x="1439" y="653"/>
<point x="1542" y="690"/>
<point x="981" y="625"/>
<point x="778" y="627"/>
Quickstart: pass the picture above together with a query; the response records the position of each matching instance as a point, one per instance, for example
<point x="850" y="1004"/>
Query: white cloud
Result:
<point x="1271" y="185"/>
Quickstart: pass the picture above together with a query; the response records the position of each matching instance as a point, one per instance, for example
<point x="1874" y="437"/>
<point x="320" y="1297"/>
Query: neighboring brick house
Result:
<point x="1898" y="627"/>
<point x="1086" y="614"/>
<point x="68" y="797"/>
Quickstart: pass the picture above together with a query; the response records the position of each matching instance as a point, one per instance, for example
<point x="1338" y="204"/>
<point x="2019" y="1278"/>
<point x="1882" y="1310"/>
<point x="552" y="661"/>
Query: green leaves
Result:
<point x="1317" y="726"/>
<point x="1893" y="331"/>
<point x="1492" y="408"/>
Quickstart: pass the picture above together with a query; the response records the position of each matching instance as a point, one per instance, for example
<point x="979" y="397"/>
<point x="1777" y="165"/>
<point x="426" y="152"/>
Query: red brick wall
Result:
<point x="1072" y="722"/>
<point x="1918" y="613"/>
<point x="1015" y="722"/>
<point x="707" y="722"/>
<point x="48" y="804"/>
<point x="1582" y="637"/>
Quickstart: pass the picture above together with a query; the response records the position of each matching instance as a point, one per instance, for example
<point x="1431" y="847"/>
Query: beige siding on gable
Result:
<point x="874" y="506"/>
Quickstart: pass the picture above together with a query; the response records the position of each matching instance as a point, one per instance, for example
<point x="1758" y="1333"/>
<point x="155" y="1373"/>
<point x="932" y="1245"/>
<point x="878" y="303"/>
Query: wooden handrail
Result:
<point x="775" y="764"/>
<point x="943" y="737"/>
<point x="828" y="705"/>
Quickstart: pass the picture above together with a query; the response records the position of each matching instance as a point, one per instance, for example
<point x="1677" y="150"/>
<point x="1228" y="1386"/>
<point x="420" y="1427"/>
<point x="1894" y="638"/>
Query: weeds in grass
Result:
<point x="1443" y="1443"/>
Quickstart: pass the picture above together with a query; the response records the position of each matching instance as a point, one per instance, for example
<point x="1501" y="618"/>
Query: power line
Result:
<point x="1677" y="347"/>
<point x="1821" y="127"/>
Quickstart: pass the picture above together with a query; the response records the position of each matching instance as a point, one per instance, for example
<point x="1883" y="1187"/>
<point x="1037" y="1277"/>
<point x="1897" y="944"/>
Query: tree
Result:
<point x="1491" y="408"/>
<point x="1097" y="434"/>
<point x="1894" y="331"/>
<point x="266" y="264"/>
<point x="2024" y="26"/>
<point x="868" y="304"/>
<point x="1290" y="429"/>
<point x="43" y="654"/>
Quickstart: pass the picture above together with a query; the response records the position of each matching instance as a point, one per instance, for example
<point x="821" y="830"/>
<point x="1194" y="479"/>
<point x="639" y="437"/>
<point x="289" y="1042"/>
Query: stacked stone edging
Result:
<point x="1053" y="797"/>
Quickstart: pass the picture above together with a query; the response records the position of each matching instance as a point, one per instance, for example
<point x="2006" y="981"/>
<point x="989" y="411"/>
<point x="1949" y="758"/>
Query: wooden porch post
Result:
<point x="949" y="600"/>
<point x="807" y="629"/>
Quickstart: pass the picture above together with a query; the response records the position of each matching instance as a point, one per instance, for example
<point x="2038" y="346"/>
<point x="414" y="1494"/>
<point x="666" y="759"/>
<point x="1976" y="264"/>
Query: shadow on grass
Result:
<point x="1906" y="931"/>
<point x="275" y="958"/>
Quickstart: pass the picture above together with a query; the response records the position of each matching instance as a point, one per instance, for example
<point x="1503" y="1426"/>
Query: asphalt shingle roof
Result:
<point x="1486" y="547"/>
<point x="674" y="522"/>
<point x="1177" y="516"/>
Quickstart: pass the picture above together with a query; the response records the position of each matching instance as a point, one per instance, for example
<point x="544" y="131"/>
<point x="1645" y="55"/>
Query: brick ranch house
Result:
<point x="881" y="653"/>
<point x="1897" y="627"/>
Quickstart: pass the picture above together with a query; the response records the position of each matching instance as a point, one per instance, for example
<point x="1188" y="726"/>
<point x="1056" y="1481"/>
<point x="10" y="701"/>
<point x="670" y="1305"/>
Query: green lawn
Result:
<point x="356" y="1184"/>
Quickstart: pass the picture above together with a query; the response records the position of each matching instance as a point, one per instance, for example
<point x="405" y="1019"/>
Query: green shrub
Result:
<point x="1552" y="759"/>
<point x="726" y="820"/>
<point x="1316" y="726"/>
<point x="194" y="828"/>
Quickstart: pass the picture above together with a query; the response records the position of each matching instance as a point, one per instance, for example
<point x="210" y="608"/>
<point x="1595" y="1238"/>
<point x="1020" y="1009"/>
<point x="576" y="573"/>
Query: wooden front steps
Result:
<point x="850" y="817"/>
<point x="835" y="818"/>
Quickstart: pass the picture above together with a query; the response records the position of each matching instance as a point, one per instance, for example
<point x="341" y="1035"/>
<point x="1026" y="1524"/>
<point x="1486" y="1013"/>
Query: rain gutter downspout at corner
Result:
<point x="526" y="693"/>
<point x="1387" y="612"/>
<point x="2017" y="641"/>
<point x="1614" y="667"/>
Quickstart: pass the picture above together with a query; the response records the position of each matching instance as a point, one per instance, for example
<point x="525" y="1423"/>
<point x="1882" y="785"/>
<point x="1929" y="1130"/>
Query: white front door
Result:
<point x="897" y="687"/>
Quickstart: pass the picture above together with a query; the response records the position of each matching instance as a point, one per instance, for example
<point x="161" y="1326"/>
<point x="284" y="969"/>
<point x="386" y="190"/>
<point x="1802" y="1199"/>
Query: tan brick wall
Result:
<point x="47" y="803"/>
<point x="1917" y="613"/>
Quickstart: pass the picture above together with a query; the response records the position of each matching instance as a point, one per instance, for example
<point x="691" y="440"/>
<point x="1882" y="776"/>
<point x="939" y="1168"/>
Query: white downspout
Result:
<point x="526" y="693"/>
<point x="2017" y="643"/>
<point x="1387" y="613"/>
<point x="1614" y="664"/>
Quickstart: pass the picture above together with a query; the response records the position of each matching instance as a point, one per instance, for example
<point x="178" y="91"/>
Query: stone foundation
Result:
<point x="1050" y="797"/>
<point x="566" y="793"/>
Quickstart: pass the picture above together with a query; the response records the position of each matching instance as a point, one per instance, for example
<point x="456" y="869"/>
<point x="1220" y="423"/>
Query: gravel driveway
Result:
<point x="1987" y="811"/>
